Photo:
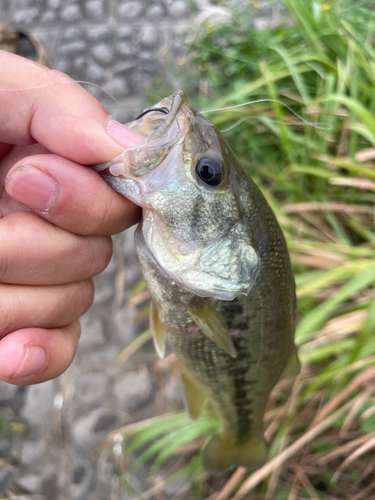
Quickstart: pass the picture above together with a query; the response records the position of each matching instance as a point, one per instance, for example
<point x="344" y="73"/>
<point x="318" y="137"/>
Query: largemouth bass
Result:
<point x="218" y="270"/>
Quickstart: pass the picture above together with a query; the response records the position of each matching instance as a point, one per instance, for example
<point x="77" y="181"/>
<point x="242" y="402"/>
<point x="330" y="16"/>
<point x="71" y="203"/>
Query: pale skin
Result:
<point x="56" y="215"/>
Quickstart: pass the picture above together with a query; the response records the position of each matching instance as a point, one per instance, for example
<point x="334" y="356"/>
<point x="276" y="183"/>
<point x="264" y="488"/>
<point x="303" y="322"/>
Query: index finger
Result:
<point x="45" y="106"/>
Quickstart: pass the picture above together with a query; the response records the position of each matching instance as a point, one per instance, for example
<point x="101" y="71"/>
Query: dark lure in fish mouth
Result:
<point x="150" y="110"/>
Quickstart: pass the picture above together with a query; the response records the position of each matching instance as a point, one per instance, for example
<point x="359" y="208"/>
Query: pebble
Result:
<point x="71" y="13"/>
<point x="72" y="47"/>
<point x="149" y="36"/>
<point x="90" y="430"/>
<point x="5" y="477"/>
<point x="155" y="12"/>
<point x="7" y="392"/>
<point x="26" y="16"/>
<point x="177" y="9"/>
<point x="91" y="389"/>
<point x="31" y="454"/>
<point x="95" y="10"/>
<point x="81" y="479"/>
<point x="92" y="332"/>
<point x="130" y="10"/>
<point x="117" y="86"/>
<point x="37" y="411"/>
<point x="125" y="48"/>
<point x="103" y="52"/>
<point x="30" y="483"/>
<point x="132" y="390"/>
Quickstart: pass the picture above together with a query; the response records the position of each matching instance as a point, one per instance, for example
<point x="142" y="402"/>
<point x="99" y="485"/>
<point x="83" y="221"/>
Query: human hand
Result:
<point x="56" y="215"/>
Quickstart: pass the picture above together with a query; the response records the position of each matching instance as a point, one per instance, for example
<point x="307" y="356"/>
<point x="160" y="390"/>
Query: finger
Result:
<point x="34" y="355"/>
<point x="56" y="112"/>
<point x="44" y="306"/>
<point x="70" y="195"/>
<point x="36" y="252"/>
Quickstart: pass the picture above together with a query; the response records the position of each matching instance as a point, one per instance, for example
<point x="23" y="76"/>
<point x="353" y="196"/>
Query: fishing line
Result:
<point x="264" y="118"/>
<point x="68" y="83"/>
<point x="319" y="126"/>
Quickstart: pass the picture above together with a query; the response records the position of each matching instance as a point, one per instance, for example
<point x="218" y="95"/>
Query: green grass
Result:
<point x="321" y="187"/>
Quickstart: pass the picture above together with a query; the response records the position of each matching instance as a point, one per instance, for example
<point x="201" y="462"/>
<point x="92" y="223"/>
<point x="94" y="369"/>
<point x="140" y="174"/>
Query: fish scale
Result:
<point x="217" y="266"/>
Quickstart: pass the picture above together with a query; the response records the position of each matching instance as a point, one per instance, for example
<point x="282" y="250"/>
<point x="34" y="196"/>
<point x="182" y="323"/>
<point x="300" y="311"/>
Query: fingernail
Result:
<point x="33" y="362"/>
<point x="32" y="187"/>
<point x="121" y="134"/>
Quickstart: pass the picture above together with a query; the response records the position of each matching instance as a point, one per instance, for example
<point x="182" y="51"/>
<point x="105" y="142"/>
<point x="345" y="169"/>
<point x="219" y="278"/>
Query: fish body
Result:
<point x="218" y="270"/>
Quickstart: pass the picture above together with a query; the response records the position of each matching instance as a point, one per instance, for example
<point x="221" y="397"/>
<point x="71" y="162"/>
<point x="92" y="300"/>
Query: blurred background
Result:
<point x="113" y="426"/>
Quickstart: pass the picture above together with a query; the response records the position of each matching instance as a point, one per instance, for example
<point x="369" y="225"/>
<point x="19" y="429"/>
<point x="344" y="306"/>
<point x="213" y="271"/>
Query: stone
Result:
<point x="104" y="288"/>
<point x="72" y="47"/>
<point x="31" y="483"/>
<point x="71" y="13"/>
<point x="90" y="430"/>
<point x="50" y="486"/>
<point x="7" y="392"/>
<point x="5" y="446"/>
<point x="48" y="16"/>
<point x="5" y="7"/>
<point x="149" y="36"/>
<point x="103" y="52"/>
<point x="178" y="9"/>
<point x="95" y="10"/>
<point x="132" y="390"/>
<point x="94" y="72"/>
<point x="24" y="3"/>
<point x="54" y="4"/>
<point x="72" y="33"/>
<point x="32" y="453"/>
<point x="130" y="10"/>
<point x="147" y="55"/>
<point x="5" y="477"/>
<point x="32" y="497"/>
<point x="117" y="87"/>
<point x="79" y="62"/>
<point x="123" y="67"/>
<point x="155" y="12"/>
<point x="124" y="32"/>
<point x="62" y="65"/>
<point x="91" y="388"/>
<point x="92" y="332"/>
<point x="125" y="48"/>
<point x="81" y="479"/>
<point x="124" y="324"/>
<point x="37" y="411"/>
<point x="128" y="245"/>
<point x="26" y="16"/>
<point x="96" y="33"/>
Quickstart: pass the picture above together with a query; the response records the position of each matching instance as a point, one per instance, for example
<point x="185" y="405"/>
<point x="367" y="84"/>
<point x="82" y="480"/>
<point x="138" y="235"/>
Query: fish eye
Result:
<point x="209" y="170"/>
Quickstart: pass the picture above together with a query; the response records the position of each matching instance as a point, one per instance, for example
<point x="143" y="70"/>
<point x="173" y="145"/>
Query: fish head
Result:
<point x="195" y="199"/>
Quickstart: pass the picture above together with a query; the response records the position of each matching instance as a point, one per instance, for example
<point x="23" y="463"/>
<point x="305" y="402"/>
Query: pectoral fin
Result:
<point x="212" y="324"/>
<point x="158" y="330"/>
<point x="293" y="366"/>
<point x="194" y="395"/>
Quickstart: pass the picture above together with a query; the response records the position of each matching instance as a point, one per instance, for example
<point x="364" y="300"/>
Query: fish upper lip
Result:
<point x="177" y="100"/>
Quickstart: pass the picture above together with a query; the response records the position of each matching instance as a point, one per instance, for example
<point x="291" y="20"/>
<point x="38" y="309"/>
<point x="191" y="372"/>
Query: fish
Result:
<point x="218" y="270"/>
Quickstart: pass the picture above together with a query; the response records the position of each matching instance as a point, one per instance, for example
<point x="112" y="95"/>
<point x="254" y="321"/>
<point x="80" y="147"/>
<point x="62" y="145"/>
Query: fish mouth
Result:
<point x="155" y="147"/>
